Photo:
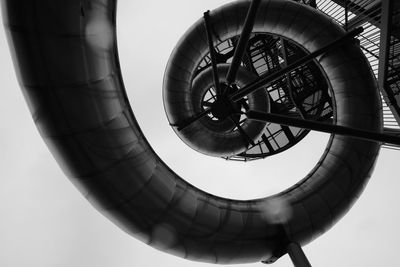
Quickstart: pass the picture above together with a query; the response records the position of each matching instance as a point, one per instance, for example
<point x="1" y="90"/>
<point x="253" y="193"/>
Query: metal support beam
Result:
<point x="264" y="80"/>
<point x="324" y="127"/>
<point x="243" y="41"/>
<point x="371" y="15"/>
<point x="236" y="61"/>
<point x="386" y="23"/>
<point x="297" y="255"/>
<point x="298" y="105"/>
<point x="213" y="55"/>
<point x="346" y="15"/>
<point x="384" y="53"/>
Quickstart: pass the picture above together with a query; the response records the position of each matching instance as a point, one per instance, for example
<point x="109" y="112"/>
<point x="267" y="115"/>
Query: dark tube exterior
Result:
<point x="66" y="59"/>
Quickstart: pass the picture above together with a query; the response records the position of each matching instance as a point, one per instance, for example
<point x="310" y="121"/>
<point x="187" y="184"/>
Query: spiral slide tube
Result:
<point x="66" y="58"/>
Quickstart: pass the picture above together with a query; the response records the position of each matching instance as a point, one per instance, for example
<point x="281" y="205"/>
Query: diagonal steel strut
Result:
<point x="324" y="127"/>
<point x="243" y="41"/>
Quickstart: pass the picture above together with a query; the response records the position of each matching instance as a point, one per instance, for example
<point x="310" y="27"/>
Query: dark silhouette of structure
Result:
<point x="236" y="83"/>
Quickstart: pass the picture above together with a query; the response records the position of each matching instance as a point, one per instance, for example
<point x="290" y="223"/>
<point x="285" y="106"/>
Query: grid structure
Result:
<point x="370" y="15"/>
<point x="301" y="93"/>
<point x="296" y="94"/>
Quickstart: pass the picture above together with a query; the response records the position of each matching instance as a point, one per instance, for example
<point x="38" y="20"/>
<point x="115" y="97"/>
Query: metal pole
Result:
<point x="323" y="127"/>
<point x="297" y="255"/>
<point x="386" y="24"/>
<point x="212" y="52"/>
<point x="384" y="53"/>
<point x="262" y="81"/>
<point x="346" y="15"/>
<point x="243" y="41"/>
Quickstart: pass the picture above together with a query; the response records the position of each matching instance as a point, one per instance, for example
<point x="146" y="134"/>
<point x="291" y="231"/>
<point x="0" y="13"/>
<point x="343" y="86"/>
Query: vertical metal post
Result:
<point x="297" y="255"/>
<point x="386" y="23"/>
<point x="384" y="52"/>
<point x="346" y="15"/>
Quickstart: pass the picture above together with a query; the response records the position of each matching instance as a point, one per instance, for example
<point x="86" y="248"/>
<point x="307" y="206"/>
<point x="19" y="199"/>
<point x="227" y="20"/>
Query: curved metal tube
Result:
<point x="219" y="139"/>
<point x="65" y="54"/>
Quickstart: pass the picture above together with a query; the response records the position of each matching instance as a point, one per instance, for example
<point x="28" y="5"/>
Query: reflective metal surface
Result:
<point x="66" y="58"/>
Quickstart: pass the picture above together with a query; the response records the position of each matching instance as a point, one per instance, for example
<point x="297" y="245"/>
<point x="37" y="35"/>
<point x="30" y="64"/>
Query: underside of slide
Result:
<point x="66" y="58"/>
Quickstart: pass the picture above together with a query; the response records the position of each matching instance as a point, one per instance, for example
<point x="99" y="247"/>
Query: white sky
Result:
<point x="44" y="221"/>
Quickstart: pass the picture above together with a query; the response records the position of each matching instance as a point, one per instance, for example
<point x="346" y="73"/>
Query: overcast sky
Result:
<point x="45" y="222"/>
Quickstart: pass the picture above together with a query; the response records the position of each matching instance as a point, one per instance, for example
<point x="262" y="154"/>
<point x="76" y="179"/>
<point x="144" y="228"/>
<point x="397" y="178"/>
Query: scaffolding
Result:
<point x="302" y="93"/>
